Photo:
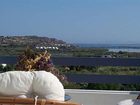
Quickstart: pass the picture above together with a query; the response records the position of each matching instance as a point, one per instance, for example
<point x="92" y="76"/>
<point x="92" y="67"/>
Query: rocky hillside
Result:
<point x="29" y="40"/>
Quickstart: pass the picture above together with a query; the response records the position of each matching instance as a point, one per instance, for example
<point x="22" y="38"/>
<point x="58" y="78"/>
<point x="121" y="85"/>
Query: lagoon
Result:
<point x="124" y="49"/>
<point x="113" y="47"/>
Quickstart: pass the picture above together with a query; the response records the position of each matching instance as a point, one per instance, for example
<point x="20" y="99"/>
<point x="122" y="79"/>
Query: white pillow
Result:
<point x="16" y="83"/>
<point x="46" y="85"/>
<point x="24" y="84"/>
<point x="129" y="102"/>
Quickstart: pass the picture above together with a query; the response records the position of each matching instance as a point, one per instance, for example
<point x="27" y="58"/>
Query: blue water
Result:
<point x="124" y="49"/>
<point x="113" y="47"/>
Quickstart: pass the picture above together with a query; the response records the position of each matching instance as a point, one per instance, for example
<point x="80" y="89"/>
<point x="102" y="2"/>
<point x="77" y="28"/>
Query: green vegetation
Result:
<point x="103" y="70"/>
<point x="11" y="51"/>
<point x="109" y="70"/>
<point x="7" y="68"/>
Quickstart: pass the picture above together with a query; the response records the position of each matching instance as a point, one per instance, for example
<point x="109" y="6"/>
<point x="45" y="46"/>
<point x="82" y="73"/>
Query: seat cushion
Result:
<point x="46" y="85"/>
<point x="129" y="102"/>
<point x="16" y="83"/>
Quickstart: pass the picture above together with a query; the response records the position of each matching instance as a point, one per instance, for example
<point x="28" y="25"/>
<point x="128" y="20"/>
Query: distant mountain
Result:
<point x="30" y="40"/>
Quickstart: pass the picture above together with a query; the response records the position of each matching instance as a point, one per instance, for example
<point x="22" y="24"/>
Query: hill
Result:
<point x="30" y="40"/>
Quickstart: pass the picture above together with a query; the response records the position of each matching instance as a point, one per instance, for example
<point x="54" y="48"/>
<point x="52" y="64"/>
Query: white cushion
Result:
<point x="129" y="102"/>
<point x="23" y="84"/>
<point x="46" y="85"/>
<point x="16" y="83"/>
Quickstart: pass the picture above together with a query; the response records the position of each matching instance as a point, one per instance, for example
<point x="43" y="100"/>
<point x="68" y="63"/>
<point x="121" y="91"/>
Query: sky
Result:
<point x="74" y="21"/>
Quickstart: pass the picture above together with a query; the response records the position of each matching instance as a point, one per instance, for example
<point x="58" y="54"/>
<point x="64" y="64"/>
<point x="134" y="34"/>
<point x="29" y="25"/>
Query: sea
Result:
<point x="113" y="47"/>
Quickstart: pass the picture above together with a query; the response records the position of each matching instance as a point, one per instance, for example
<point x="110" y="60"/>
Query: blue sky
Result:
<point x="74" y="21"/>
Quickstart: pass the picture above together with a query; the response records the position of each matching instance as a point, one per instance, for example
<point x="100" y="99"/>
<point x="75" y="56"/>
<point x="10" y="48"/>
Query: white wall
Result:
<point x="100" y="97"/>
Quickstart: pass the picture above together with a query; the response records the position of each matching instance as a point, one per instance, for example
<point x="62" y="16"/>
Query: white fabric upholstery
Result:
<point x="24" y="84"/>
<point x="46" y="85"/>
<point x="129" y="102"/>
<point x="16" y="83"/>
